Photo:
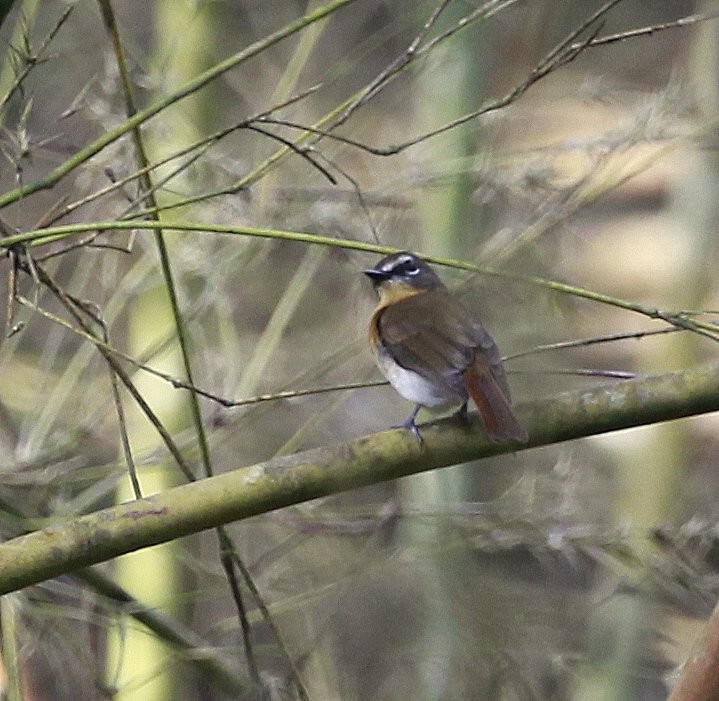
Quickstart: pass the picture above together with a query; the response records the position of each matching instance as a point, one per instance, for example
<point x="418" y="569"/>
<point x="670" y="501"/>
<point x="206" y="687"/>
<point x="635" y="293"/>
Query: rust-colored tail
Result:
<point x="494" y="407"/>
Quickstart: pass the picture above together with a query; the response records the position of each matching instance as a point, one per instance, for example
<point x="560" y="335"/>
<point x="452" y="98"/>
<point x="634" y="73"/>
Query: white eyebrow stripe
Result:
<point x="393" y="265"/>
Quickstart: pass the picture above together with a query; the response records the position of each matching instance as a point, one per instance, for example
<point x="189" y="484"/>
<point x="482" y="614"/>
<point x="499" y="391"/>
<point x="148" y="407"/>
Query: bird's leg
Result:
<point x="412" y="426"/>
<point x="462" y="414"/>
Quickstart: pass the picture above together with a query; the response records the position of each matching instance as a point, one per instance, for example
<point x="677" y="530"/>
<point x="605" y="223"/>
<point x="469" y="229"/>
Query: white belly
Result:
<point x="414" y="387"/>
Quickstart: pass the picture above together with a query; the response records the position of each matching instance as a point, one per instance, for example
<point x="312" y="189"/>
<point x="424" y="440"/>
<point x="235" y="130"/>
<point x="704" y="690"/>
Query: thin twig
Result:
<point x="189" y="88"/>
<point x="227" y="551"/>
<point x="301" y="151"/>
<point x="589" y="342"/>
<point x="31" y="59"/>
<point x="565" y="52"/>
<point x="117" y="400"/>
<point x="71" y="307"/>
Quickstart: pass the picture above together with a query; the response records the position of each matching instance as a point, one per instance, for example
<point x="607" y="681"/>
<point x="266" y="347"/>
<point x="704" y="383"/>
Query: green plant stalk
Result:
<point x="165" y="266"/>
<point x="170" y="631"/>
<point x="62" y="232"/>
<point x="699" y="679"/>
<point x="449" y="224"/>
<point x="341" y="113"/>
<point x="5" y="7"/>
<point x="9" y="611"/>
<point x="160" y="683"/>
<point x="293" y="479"/>
<point x="8" y="75"/>
<point x="281" y="316"/>
<point x="294" y="67"/>
<point x="60" y="392"/>
<point x="192" y="86"/>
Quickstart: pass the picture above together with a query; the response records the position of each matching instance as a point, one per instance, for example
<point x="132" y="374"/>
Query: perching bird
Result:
<point x="433" y="351"/>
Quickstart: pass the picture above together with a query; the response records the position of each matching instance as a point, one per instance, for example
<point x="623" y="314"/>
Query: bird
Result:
<point x="433" y="351"/>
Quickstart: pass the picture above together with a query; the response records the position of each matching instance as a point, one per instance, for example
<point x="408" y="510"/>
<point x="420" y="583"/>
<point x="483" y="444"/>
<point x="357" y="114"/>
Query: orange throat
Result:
<point x="393" y="292"/>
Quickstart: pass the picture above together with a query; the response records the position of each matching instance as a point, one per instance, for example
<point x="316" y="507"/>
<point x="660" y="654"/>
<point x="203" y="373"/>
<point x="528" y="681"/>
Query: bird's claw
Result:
<point x="412" y="426"/>
<point x="462" y="414"/>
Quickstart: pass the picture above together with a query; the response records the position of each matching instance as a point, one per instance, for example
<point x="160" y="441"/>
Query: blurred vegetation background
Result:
<point x="577" y="571"/>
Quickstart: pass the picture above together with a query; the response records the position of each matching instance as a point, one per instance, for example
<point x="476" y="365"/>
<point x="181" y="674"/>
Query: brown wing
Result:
<point x="434" y="335"/>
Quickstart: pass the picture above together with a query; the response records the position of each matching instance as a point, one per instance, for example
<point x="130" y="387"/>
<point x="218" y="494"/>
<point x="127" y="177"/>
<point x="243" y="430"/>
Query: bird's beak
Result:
<point x="375" y="274"/>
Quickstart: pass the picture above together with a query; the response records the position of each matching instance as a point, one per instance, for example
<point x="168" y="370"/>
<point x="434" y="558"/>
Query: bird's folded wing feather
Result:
<point x="435" y="335"/>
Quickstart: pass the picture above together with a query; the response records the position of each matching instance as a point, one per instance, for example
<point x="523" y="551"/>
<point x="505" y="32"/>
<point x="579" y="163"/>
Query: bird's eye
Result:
<point x="409" y="268"/>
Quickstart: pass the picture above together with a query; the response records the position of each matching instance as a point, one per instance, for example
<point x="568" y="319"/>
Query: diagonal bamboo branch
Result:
<point x="699" y="679"/>
<point x="292" y="479"/>
<point x="192" y="86"/>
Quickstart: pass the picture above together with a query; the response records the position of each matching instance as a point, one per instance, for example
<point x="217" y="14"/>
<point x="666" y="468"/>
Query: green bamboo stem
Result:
<point x="284" y="481"/>
<point x="192" y="86"/>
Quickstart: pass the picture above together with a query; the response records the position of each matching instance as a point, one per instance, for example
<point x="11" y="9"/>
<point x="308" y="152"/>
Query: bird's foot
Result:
<point x="412" y="426"/>
<point x="462" y="414"/>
